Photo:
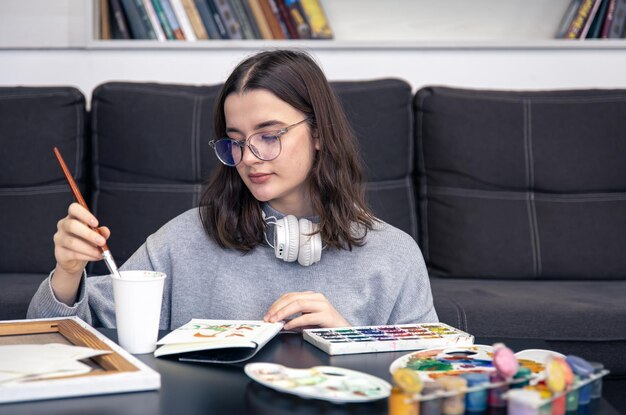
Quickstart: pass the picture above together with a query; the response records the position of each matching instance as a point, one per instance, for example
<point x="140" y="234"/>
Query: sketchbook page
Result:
<point x="201" y="334"/>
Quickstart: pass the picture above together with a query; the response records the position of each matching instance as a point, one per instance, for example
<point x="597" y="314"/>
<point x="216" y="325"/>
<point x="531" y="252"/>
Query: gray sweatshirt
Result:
<point x="383" y="282"/>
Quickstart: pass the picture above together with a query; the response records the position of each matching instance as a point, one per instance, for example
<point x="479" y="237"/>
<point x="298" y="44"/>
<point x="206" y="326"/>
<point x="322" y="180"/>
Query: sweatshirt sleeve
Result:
<point x="94" y="304"/>
<point x="45" y="305"/>
<point x="415" y="300"/>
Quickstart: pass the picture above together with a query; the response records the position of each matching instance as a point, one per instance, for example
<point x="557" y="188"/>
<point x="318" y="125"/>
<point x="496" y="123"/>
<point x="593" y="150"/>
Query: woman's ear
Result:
<point x="316" y="138"/>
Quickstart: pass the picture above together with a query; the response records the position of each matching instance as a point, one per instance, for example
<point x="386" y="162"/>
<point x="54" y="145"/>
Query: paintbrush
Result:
<point x="106" y="253"/>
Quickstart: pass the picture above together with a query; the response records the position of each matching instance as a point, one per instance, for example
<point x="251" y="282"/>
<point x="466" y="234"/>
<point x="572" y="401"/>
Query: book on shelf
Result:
<point x="581" y="22"/>
<point x="589" y="21"/>
<point x="285" y="17"/>
<point x="183" y="20"/>
<point x="207" y="19"/>
<point x="217" y="18"/>
<point x="297" y="16"/>
<point x="567" y="18"/>
<point x="195" y="19"/>
<point x="254" y="7"/>
<point x="281" y="22"/>
<point x="314" y="14"/>
<point x="154" y="20"/>
<point x="272" y="20"/>
<point x="247" y="24"/>
<point x="119" y="25"/>
<point x="616" y="30"/>
<point x="172" y="20"/>
<point x="105" y="20"/>
<point x="217" y="341"/>
<point x="231" y="23"/>
<point x="606" y="26"/>
<point x="138" y="20"/>
<point x="165" y="25"/>
<point x="598" y="20"/>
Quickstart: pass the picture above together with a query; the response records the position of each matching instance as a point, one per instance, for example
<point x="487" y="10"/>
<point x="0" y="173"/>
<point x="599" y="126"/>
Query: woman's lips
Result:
<point x="259" y="178"/>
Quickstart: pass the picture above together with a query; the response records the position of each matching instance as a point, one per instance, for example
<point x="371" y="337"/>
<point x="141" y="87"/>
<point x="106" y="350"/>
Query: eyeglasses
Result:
<point x="264" y="145"/>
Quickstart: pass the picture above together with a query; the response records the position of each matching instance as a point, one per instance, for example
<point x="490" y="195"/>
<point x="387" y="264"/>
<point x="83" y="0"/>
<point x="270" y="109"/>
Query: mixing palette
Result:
<point x="368" y="339"/>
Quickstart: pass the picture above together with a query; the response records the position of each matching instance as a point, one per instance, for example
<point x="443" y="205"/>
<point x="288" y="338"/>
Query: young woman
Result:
<point x="290" y="188"/>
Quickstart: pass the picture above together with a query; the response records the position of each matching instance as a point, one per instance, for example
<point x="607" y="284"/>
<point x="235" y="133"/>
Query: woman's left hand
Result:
<point x="316" y="311"/>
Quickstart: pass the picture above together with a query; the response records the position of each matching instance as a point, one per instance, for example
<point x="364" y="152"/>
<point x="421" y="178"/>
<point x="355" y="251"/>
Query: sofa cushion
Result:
<point x="522" y="184"/>
<point x="582" y="317"/>
<point x="151" y="157"/>
<point x="380" y="114"/>
<point x="34" y="194"/>
<point x="16" y="291"/>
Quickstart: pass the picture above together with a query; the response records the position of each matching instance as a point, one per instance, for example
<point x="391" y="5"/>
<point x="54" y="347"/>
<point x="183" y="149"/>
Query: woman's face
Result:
<point x="283" y="181"/>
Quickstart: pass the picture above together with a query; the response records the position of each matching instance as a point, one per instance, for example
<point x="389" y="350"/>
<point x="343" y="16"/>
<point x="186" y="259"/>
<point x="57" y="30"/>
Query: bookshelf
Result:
<point x="405" y="24"/>
<point x="443" y="42"/>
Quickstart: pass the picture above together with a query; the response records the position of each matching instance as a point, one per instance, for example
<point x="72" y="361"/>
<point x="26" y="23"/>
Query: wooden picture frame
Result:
<point x="115" y="372"/>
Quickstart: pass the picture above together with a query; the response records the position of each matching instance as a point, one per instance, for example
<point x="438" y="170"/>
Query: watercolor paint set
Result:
<point x="454" y="380"/>
<point x="369" y="339"/>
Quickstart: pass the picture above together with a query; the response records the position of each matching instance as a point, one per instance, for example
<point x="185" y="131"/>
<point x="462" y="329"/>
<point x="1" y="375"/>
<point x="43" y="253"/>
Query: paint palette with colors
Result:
<point x="327" y="383"/>
<point x="456" y="360"/>
<point x="368" y="339"/>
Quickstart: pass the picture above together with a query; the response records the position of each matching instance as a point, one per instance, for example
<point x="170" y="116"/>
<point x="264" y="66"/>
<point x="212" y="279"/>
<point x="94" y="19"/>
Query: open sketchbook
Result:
<point x="217" y="341"/>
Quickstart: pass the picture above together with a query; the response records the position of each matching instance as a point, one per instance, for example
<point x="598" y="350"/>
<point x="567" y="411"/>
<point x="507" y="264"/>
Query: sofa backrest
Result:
<point x="34" y="194"/>
<point x="150" y="157"/>
<point x="522" y="184"/>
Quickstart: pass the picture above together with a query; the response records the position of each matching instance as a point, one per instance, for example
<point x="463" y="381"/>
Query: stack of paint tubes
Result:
<point x="565" y="385"/>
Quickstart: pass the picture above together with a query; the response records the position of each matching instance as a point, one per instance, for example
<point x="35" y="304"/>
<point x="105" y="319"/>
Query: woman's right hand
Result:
<point x="75" y="244"/>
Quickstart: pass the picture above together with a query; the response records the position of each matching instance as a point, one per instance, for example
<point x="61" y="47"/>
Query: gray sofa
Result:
<point x="517" y="199"/>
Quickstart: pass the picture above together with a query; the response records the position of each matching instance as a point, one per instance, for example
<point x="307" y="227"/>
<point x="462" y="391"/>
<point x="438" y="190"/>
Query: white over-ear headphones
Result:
<point x="294" y="239"/>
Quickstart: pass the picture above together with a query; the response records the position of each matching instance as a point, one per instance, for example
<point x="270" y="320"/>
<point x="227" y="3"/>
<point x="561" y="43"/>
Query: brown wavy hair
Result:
<point x="232" y="216"/>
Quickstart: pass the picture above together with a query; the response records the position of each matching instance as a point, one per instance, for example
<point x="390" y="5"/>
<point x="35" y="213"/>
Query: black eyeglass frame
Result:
<point x="246" y="143"/>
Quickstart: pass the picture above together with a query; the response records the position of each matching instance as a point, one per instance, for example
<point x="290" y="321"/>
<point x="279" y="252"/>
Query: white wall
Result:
<point x="512" y="69"/>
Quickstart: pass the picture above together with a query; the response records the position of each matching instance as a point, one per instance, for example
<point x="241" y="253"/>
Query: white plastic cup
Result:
<point x="138" y="296"/>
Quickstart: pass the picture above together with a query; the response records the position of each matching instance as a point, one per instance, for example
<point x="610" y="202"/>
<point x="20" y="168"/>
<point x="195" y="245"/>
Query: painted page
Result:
<point x="194" y="340"/>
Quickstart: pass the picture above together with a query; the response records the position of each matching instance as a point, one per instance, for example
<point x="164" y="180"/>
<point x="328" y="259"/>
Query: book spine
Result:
<point x="577" y="25"/>
<point x="314" y="13"/>
<point x="119" y="19"/>
<point x="596" y="26"/>
<point x="231" y="24"/>
<point x="154" y="20"/>
<point x="183" y="19"/>
<point x="569" y="15"/>
<point x="207" y="19"/>
<point x="297" y="15"/>
<point x="135" y="21"/>
<point x="285" y="17"/>
<point x="281" y="22"/>
<point x="195" y="19"/>
<point x="271" y="19"/>
<point x="606" y="26"/>
<point x="105" y="22"/>
<point x="217" y="19"/>
<point x="590" y="19"/>
<point x="145" y="19"/>
<point x="246" y="25"/>
<point x="619" y="20"/>
<point x="259" y="17"/>
<point x="171" y="18"/>
<point x="167" y="29"/>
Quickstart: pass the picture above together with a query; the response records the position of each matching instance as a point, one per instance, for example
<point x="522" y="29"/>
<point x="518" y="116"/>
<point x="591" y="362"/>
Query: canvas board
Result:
<point x="115" y="372"/>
